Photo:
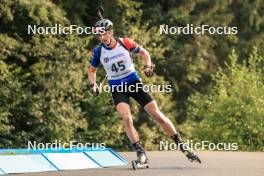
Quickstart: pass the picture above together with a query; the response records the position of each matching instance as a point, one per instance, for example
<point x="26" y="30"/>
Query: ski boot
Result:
<point x="185" y="149"/>
<point x="142" y="160"/>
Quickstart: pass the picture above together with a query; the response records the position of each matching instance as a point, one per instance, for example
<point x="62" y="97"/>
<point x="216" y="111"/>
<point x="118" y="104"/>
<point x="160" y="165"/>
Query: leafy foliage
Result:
<point x="44" y="94"/>
<point x="233" y="109"/>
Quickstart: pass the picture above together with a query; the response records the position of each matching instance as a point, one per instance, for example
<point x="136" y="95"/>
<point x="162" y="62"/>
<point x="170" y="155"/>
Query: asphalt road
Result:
<point x="175" y="164"/>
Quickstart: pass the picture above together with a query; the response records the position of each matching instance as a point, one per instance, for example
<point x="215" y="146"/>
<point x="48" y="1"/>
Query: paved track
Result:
<point x="175" y="164"/>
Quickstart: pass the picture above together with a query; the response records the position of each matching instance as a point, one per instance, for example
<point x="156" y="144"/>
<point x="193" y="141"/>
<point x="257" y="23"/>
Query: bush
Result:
<point x="233" y="110"/>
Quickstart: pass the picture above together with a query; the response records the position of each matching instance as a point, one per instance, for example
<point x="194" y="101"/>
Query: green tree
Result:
<point x="45" y="91"/>
<point x="233" y="110"/>
<point x="191" y="59"/>
<point x="42" y="82"/>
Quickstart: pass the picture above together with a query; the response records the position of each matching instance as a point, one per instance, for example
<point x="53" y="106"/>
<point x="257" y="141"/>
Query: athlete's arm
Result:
<point x="95" y="61"/>
<point x="148" y="67"/>
<point x="94" y="64"/>
<point x="135" y="48"/>
<point x="92" y="80"/>
<point x="91" y="71"/>
<point x="145" y="55"/>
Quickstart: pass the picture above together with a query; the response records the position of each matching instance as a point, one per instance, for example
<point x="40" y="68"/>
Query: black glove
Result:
<point x="94" y="89"/>
<point x="148" y="70"/>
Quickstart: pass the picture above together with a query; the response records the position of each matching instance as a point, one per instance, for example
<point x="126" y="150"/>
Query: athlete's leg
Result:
<point x="153" y="110"/>
<point x="121" y="100"/>
<point x="124" y="111"/>
<point x="155" y="113"/>
<point x="150" y="105"/>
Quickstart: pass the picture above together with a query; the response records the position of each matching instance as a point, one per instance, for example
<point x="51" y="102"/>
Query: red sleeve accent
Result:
<point x="130" y="44"/>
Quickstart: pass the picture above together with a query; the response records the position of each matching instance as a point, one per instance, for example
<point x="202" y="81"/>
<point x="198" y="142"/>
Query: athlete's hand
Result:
<point x="148" y="70"/>
<point x="95" y="89"/>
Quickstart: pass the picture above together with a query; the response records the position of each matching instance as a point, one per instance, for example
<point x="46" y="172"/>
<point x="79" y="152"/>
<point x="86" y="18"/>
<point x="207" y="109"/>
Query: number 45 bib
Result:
<point x="117" y="62"/>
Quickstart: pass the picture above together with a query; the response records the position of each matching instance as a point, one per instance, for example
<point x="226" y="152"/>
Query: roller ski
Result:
<point x="142" y="160"/>
<point x="191" y="156"/>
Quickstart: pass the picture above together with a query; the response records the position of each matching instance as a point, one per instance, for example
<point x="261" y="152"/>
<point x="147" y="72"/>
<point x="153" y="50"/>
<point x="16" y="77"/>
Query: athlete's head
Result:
<point x="107" y="37"/>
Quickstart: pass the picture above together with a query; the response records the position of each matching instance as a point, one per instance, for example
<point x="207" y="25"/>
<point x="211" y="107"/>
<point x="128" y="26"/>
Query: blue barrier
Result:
<point x="105" y="158"/>
<point x="2" y="172"/>
<point x="49" y="150"/>
<point x="25" y="163"/>
<point x="71" y="161"/>
<point x="32" y="160"/>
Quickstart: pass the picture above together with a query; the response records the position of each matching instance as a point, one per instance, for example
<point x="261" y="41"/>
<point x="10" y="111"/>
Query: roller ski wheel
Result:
<point x="137" y="165"/>
<point x="193" y="158"/>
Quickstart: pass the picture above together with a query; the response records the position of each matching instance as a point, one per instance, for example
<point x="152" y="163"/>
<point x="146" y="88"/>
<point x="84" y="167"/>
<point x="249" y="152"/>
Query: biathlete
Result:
<point x="114" y="54"/>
